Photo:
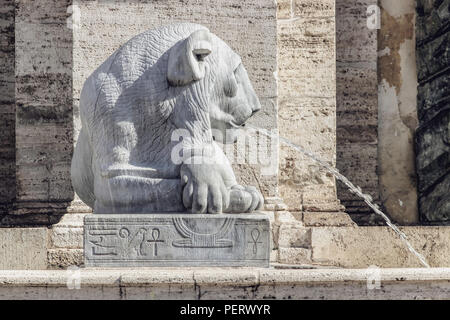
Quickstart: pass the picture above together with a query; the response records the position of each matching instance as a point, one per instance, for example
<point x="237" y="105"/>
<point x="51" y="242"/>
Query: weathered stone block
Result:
<point x="320" y="219"/>
<point x="64" y="258"/>
<point x="356" y="101"/>
<point x="177" y="240"/>
<point x="306" y="91"/>
<point x="66" y="237"/>
<point x="294" y="236"/>
<point x="23" y="248"/>
<point x="7" y="105"/>
<point x="300" y="176"/>
<point x="317" y="126"/>
<point x="306" y="54"/>
<point x="284" y="9"/>
<point x="360" y="247"/>
<point x="294" y="255"/>
<point x="314" y="8"/>
<point x="358" y="162"/>
<point x="355" y="42"/>
<point x="43" y="106"/>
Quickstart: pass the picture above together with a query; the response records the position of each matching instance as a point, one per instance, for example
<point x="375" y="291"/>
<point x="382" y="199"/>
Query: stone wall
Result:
<point x="433" y="134"/>
<point x="307" y="102"/>
<point x="7" y="106"/>
<point x="357" y="104"/>
<point x="43" y="114"/>
<point x="397" y="85"/>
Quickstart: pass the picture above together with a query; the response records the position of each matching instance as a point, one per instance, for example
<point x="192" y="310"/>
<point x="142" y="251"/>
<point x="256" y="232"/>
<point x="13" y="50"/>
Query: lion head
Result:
<point x="208" y="65"/>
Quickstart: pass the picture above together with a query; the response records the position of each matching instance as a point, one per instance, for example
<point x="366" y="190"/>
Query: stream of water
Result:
<point x="354" y="189"/>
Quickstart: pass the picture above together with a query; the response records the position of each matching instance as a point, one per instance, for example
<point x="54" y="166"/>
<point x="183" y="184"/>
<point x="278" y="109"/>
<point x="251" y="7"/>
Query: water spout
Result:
<point x="354" y="189"/>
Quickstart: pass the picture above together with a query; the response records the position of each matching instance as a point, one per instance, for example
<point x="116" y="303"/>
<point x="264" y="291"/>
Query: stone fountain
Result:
<point x="147" y="160"/>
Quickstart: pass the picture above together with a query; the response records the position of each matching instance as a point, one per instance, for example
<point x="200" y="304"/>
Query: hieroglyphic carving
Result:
<point x="207" y="240"/>
<point x="255" y="234"/>
<point x="177" y="240"/>
<point x="107" y="241"/>
<point x="155" y="240"/>
<point x="101" y="246"/>
<point x="136" y="242"/>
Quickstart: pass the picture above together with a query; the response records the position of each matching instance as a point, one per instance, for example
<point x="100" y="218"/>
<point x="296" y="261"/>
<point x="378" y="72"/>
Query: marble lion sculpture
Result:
<point x="176" y="77"/>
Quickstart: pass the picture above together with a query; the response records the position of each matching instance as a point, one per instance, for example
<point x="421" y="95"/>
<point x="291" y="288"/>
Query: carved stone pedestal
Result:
<point x="176" y="240"/>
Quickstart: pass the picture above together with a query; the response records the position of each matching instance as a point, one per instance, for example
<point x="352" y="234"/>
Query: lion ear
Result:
<point x="186" y="58"/>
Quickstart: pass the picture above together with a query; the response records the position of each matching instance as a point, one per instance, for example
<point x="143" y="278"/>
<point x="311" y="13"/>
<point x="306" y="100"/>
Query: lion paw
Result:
<point x="244" y="199"/>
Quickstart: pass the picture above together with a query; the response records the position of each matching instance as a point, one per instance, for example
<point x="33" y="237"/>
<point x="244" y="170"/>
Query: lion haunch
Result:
<point x="175" y="78"/>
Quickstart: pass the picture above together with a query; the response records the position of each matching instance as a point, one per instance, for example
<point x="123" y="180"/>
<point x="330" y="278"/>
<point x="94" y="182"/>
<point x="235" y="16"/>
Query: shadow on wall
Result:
<point x="357" y="107"/>
<point x="38" y="124"/>
<point x="7" y="105"/>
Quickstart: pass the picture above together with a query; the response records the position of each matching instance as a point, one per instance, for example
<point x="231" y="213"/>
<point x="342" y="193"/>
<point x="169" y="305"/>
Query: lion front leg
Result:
<point x="210" y="186"/>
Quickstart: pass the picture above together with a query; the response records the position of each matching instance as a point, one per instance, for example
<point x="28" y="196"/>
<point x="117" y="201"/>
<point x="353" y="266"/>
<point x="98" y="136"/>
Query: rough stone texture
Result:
<point x="294" y="236"/>
<point x="307" y="102"/>
<point x="292" y="240"/>
<point x="360" y="247"/>
<point x="43" y="89"/>
<point x="64" y="258"/>
<point x="23" y="248"/>
<point x="357" y="104"/>
<point x="256" y="46"/>
<point x="36" y="112"/>
<point x="226" y="283"/>
<point x="397" y="85"/>
<point x="66" y="242"/>
<point x="297" y="256"/>
<point x="433" y="134"/>
<point x="322" y="219"/>
<point x="176" y="240"/>
<point x="7" y="106"/>
<point x="70" y="238"/>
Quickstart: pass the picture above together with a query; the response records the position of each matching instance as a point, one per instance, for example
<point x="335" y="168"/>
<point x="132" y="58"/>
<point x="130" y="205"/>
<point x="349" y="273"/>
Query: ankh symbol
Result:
<point x="155" y="239"/>
<point x="255" y="236"/>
